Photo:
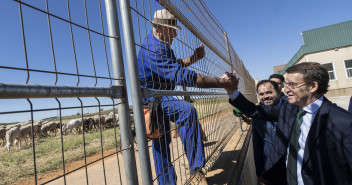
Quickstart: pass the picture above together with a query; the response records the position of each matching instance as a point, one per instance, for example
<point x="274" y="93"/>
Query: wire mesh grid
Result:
<point x="64" y="43"/>
<point x="58" y="43"/>
<point x="196" y="126"/>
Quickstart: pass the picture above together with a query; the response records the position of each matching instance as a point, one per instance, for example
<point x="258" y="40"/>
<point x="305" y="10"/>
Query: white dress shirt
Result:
<point x="308" y="118"/>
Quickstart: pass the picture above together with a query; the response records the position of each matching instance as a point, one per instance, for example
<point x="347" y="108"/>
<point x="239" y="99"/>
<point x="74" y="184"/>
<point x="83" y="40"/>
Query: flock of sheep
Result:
<point x="15" y="133"/>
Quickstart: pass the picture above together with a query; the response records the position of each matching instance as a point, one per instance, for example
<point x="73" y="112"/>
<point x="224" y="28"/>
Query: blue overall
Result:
<point x="158" y="69"/>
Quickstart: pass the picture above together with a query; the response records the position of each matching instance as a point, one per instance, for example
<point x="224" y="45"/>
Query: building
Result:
<point x="278" y="68"/>
<point x="332" y="47"/>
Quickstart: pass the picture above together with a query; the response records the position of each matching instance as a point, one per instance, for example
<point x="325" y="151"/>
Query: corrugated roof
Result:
<point x="324" y="38"/>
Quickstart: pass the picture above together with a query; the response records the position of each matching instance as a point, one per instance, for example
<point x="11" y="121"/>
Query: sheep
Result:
<point x="37" y="127"/>
<point x="3" y="135"/>
<point x="77" y="123"/>
<point x="11" y="135"/>
<point x="109" y="120"/>
<point x="49" y="127"/>
<point x="9" y="127"/>
<point x="88" y="124"/>
<point x="25" y="132"/>
<point x="117" y="118"/>
<point x="57" y="128"/>
<point x="99" y="120"/>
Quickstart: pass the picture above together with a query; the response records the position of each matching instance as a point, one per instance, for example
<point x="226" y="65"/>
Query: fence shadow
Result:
<point x="223" y="167"/>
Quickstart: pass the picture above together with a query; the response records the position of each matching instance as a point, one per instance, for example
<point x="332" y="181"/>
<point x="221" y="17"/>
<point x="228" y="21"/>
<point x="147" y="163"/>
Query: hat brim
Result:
<point x="167" y="25"/>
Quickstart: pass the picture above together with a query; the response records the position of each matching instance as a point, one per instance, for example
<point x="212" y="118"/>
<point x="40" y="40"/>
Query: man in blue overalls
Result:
<point x="159" y="69"/>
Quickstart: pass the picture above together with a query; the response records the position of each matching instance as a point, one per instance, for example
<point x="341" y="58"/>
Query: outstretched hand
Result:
<point x="199" y="52"/>
<point x="230" y="81"/>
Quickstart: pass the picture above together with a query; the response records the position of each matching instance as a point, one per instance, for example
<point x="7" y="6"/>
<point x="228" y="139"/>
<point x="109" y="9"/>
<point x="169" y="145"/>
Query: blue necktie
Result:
<point x="291" y="171"/>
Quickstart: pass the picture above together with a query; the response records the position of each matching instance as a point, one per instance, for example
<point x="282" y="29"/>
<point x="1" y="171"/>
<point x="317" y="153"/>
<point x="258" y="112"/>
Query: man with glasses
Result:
<point x="159" y="69"/>
<point x="313" y="136"/>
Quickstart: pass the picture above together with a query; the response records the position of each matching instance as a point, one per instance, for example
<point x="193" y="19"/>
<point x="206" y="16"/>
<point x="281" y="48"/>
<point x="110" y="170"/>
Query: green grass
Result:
<point x="18" y="163"/>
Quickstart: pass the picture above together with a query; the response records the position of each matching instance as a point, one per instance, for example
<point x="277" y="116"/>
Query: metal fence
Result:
<point x="62" y="69"/>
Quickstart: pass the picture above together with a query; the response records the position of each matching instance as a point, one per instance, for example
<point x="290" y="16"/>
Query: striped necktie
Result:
<point x="291" y="171"/>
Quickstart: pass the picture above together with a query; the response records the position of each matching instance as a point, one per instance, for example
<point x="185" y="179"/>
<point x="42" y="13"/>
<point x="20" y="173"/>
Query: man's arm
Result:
<point x="199" y="53"/>
<point x="269" y="113"/>
<point x="248" y="108"/>
<point x="215" y="82"/>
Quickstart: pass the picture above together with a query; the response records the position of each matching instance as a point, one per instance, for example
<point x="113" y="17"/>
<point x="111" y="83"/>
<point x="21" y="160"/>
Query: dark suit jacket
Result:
<point x="350" y="106"/>
<point x="327" y="156"/>
<point x="264" y="168"/>
<point x="258" y="133"/>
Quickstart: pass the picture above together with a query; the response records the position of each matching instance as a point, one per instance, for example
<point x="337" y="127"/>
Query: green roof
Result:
<point x="324" y="38"/>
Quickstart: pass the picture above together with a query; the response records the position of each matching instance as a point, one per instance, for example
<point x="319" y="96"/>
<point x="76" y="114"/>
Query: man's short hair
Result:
<point x="278" y="76"/>
<point x="275" y="85"/>
<point x="312" y="72"/>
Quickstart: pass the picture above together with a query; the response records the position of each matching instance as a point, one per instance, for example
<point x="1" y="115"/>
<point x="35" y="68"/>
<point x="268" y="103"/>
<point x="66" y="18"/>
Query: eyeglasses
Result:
<point x="292" y="85"/>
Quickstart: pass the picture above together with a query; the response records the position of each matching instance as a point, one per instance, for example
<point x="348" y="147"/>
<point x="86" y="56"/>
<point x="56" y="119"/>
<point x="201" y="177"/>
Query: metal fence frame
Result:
<point x="119" y="91"/>
<point x="137" y="94"/>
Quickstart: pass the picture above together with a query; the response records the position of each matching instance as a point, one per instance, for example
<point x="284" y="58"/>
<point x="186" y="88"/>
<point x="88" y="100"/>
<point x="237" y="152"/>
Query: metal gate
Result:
<point x="64" y="95"/>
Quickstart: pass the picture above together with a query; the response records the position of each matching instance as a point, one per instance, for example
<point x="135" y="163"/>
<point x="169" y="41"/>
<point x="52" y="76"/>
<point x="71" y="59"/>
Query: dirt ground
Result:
<point x="47" y="176"/>
<point x="114" y="166"/>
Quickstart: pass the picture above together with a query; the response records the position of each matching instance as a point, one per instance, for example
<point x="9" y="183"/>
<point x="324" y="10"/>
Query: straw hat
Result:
<point x="165" y="18"/>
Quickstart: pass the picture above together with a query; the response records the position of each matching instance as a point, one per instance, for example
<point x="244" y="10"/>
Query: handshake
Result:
<point x="229" y="81"/>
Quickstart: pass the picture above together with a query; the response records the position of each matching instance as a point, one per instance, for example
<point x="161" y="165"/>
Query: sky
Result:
<point x="263" y="34"/>
<point x="40" y="55"/>
<point x="266" y="33"/>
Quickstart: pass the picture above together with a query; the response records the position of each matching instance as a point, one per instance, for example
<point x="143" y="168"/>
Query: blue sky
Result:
<point x="267" y="33"/>
<point x="40" y="57"/>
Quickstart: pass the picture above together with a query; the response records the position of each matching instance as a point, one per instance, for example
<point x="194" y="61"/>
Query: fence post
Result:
<point x="122" y="104"/>
<point x="228" y="51"/>
<point x="136" y="92"/>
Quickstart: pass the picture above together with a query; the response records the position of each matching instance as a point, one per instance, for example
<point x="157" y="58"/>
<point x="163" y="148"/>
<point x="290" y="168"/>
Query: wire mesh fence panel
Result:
<point x="178" y="44"/>
<point x="59" y="121"/>
<point x="65" y="116"/>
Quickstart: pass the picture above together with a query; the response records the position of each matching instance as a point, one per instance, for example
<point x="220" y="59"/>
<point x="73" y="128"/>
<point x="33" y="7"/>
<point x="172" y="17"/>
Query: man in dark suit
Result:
<point x="313" y="136"/>
<point x="263" y="132"/>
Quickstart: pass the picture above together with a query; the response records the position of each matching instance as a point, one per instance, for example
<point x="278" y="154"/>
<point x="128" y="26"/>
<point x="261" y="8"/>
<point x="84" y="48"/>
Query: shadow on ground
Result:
<point x="222" y="168"/>
<point x="209" y="143"/>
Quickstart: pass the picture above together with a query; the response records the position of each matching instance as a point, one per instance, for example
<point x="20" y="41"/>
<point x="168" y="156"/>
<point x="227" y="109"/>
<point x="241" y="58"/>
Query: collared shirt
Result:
<point x="308" y="118"/>
<point x="283" y="97"/>
<point x="270" y="132"/>
<point x="158" y="67"/>
<point x="234" y="94"/>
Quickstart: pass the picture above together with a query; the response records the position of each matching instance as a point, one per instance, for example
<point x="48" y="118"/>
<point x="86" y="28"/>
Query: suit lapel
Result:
<point x="318" y="124"/>
<point x="291" y="120"/>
